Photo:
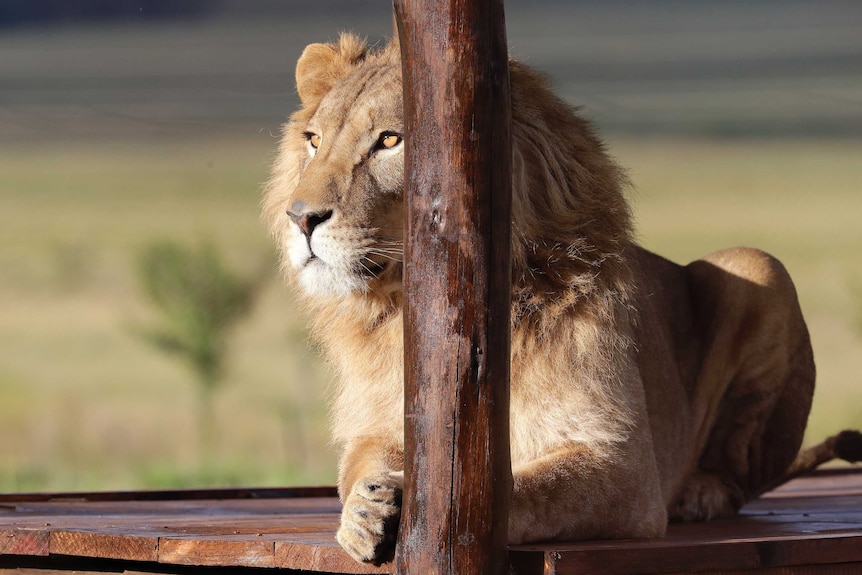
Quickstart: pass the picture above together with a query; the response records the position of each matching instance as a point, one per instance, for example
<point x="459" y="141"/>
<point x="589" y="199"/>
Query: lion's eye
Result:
<point x="313" y="139"/>
<point x="388" y="140"/>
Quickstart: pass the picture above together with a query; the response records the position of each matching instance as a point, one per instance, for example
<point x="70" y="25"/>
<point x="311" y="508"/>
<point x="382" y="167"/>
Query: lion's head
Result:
<point x="335" y="200"/>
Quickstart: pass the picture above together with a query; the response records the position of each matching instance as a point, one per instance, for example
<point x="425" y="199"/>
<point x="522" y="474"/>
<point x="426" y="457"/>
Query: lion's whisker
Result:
<point x="368" y="269"/>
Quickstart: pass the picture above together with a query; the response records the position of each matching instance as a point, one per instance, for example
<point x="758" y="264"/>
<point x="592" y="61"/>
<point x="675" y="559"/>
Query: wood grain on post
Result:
<point x="457" y="282"/>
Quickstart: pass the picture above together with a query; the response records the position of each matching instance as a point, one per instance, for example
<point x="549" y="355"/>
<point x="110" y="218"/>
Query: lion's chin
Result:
<point x="318" y="279"/>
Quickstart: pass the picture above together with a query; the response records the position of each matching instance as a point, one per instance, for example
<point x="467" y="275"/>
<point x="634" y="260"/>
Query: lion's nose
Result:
<point x="307" y="220"/>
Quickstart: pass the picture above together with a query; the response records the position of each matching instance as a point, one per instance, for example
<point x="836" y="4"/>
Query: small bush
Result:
<point x="199" y="300"/>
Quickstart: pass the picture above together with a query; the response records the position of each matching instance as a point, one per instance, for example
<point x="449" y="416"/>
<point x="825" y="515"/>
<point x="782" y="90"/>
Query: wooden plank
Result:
<point x="24" y="541"/>
<point x="835" y="569"/>
<point x="105" y="545"/>
<point x="175" y="494"/>
<point x="676" y="554"/>
<point x="734" y="555"/>
<point x="835" y="481"/>
<point x="217" y="552"/>
<point x="457" y="283"/>
<point x="317" y="556"/>
<point x="78" y="514"/>
<point x="59" y="565"/>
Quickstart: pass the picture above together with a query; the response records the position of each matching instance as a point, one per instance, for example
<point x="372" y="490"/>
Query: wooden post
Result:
<point x="457" y="283"/>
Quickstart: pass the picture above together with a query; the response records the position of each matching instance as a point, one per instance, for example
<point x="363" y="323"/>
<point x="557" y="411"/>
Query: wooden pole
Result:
<point x="457" y="282"/>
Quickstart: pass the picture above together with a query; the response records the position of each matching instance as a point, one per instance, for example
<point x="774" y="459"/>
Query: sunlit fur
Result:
<point x="638" y="386"/>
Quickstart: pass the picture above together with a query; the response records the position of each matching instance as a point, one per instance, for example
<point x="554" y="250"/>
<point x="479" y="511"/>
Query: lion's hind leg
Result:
<point x="705" y="496"/>
<point x="755" y="385"/>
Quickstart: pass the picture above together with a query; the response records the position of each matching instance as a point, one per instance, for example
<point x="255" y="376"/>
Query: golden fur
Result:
<point x="640" y="388"/>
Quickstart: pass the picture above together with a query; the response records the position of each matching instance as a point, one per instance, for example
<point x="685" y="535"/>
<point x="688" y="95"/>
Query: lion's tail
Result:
<point x="847" y="445"/>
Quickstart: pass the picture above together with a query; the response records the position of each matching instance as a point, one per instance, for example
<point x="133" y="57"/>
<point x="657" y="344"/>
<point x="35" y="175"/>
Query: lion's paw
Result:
<point x="705" y="497"/>
<point x="369" y="519"/>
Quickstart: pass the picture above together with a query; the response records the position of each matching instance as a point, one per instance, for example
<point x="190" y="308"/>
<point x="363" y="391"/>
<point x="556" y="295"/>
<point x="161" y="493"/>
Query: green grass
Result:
<point x="84" y="404"/>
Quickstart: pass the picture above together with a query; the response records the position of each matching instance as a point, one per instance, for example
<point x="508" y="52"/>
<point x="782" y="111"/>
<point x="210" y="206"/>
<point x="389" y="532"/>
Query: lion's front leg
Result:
<point x="370" y="485"/>
<point x="579" y="492"/>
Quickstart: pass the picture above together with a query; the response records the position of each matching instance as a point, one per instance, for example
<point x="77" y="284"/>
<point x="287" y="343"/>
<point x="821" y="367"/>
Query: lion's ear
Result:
<point x="314" y="76"/>
<point x="321" y="65"/>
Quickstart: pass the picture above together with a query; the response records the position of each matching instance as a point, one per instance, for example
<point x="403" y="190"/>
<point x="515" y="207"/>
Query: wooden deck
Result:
<point x="810" y="526"/>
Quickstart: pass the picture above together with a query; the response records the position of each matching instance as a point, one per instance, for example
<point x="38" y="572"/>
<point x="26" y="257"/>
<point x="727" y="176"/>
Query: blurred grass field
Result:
<point x="84" y="405"/>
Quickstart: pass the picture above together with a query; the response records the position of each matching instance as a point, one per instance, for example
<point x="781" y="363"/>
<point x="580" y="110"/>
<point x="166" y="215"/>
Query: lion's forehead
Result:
<point x="367" y="99"/>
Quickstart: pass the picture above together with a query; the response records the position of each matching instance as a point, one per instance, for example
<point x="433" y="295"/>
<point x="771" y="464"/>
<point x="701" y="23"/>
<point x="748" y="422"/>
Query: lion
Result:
<point x="641" y="390"/>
